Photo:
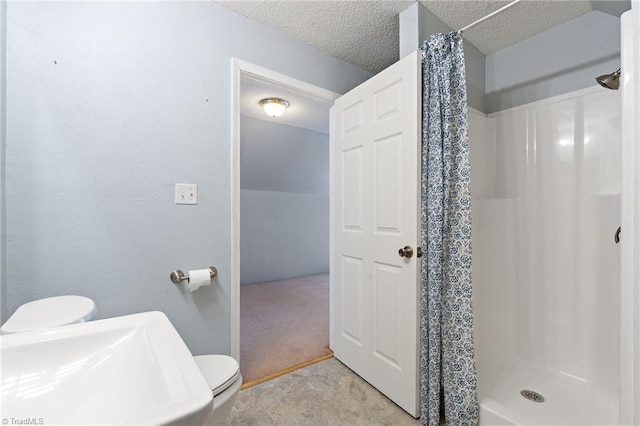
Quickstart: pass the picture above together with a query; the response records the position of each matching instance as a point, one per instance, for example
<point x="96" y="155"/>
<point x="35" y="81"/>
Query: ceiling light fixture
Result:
<point x="274" y="107"/>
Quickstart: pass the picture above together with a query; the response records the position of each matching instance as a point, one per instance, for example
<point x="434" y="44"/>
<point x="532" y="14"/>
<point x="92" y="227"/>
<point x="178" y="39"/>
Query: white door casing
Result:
<point x="375" y="182"/>
<point x="244" y="70"/>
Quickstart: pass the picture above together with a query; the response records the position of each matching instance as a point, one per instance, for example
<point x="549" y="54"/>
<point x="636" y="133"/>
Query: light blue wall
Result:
<point x="109" y="104"/>
<point x="284" y="209"/>
<point x="283" y="235"/>
<point x="612" y="7"/>
<point x="3" y="116"/>
<point x="275" y="157"/>
<point x="417" y="24"/>
<point x="560" y="60"/>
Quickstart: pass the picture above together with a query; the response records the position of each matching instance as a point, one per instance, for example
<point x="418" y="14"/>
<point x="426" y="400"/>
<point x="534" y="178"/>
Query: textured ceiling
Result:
<point x="515" y="24"/>
<point x="303" y="111"/>
<point x="365" y="33"/>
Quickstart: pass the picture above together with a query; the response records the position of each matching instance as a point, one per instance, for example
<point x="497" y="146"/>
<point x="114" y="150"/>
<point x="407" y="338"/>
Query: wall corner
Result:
<point x="417" y="24"/>
<point x="408" y="28"/>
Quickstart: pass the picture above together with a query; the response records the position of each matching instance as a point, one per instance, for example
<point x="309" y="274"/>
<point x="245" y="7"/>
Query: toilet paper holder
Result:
<point x="177" y="276"/>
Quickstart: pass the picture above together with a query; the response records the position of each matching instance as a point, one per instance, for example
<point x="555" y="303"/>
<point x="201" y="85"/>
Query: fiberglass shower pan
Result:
<point x="546" y="189"/>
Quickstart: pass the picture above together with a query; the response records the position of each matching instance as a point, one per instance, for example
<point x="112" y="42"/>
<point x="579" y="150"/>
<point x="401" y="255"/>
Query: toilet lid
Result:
<point x="50" y="312"/>
<point x="219" y="370"/>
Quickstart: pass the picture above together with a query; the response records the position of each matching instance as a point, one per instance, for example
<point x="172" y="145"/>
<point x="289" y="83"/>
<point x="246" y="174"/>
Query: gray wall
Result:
<point x="109" y="104"/>
<point x="417" y="24"/>
<point x="284" y="209"/>
<point x="560" y="60"/>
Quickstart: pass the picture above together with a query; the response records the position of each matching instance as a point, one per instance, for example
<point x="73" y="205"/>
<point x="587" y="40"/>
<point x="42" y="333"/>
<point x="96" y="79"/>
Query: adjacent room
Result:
<point x="284" y="230"/>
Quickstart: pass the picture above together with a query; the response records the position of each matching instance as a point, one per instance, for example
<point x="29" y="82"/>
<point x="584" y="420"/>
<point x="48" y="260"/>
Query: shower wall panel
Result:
<point x="546" y="267"/>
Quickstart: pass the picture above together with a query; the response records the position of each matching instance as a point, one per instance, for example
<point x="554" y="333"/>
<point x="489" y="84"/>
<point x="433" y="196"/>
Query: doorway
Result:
<point x="280" y="229"/>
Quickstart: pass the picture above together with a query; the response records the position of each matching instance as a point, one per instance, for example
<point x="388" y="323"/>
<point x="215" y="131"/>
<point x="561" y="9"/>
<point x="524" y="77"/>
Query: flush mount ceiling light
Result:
<point x="274" y="106"/>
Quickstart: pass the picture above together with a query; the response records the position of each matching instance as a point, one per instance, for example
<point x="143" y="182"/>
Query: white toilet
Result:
<point x="223" y="374"/>
<point x="50" y="312"/>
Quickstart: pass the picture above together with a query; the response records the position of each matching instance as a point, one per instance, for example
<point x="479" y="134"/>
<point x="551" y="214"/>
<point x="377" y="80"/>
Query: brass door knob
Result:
<point x="406" y="251"/>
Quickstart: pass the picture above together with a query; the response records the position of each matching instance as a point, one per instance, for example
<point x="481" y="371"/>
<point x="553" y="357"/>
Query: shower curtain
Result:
<point x="448" y="374"/>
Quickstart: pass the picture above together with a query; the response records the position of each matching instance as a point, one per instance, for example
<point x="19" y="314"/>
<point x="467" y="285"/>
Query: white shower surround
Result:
<point x="630" y="255"/>
<point x="546" y="184"/>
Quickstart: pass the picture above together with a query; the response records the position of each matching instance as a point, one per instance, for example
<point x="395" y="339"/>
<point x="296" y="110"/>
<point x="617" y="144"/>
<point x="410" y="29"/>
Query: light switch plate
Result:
<point x="186" y="193"/>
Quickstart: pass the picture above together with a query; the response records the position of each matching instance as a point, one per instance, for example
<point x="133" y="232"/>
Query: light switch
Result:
<point x="186" y="193"/>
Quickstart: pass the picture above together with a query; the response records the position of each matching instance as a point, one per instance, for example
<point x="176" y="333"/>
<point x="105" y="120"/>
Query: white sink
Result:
<point x="133" y="369"/>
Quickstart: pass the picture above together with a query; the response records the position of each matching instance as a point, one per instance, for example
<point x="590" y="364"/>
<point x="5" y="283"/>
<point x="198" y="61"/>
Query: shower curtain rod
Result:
<point x="489" y="16"/>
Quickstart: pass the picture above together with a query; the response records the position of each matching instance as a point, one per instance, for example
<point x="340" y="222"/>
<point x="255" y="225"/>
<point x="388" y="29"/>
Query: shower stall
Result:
<point x="546" y="188"/>
<point x="546" y="267"/>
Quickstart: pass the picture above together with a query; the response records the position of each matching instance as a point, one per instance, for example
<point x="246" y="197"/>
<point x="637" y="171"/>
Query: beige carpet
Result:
<point x="283" y="324"/>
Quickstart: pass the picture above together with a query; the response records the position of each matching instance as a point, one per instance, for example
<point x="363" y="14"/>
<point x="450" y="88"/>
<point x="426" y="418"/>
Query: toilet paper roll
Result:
<point x="198" y="278"/>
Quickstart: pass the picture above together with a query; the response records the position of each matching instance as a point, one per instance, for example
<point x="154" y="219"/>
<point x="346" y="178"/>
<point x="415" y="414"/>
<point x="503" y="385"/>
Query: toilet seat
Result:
<point x="49" y="312"/>
<point x="221" y="371"/>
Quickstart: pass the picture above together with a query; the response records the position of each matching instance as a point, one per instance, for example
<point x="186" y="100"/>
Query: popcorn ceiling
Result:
<point x="365" y="33"/>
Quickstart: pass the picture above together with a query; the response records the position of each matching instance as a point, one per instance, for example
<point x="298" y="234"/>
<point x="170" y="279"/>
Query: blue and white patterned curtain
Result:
<point x="448" y="370"/>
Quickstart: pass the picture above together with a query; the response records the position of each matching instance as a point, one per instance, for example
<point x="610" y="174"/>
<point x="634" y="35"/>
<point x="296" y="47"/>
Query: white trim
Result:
<point x="332" y="221"/>
<point x="236" y="71"/>
<point x="264" y="75"/>
<point x="630" y="208"/>
<point x="635" y="283"/>
<point x="547" y="101"/>
<point x="239" y="70"/>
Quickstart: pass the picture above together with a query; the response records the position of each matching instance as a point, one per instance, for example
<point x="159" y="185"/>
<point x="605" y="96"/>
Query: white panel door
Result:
<point x="375" y="134"/>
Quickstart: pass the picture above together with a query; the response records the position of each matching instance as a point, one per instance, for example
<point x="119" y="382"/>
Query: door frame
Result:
<point x="241" y="69"/>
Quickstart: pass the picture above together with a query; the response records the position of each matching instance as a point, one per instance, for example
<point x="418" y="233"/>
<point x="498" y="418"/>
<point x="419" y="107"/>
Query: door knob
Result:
<point x="406" y="251"/>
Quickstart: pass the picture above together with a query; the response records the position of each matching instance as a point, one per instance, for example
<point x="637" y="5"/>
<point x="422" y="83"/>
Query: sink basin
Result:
<point x="133" y="369"/>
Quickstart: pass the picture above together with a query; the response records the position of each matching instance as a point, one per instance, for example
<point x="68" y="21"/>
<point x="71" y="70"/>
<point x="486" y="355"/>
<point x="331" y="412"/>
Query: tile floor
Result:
<point x="326" y="393"/>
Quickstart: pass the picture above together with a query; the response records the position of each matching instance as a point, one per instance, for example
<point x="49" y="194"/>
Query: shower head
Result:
<point x="610" y="81"/>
